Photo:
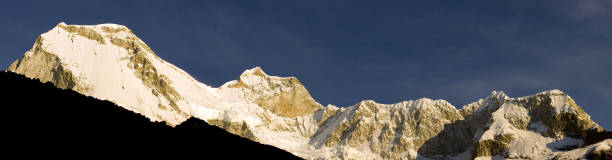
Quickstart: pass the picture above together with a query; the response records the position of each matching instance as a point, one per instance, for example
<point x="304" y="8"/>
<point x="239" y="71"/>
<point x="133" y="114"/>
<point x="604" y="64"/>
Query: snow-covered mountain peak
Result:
<point x="366" y="101"/>
<point x="102" y="32"/>
<point x="109" y="62"/>
<point x="98" y="26"/>
<point x="108" y="33"/>
<point x="284" y="96"/>
<point x="426" y="102"/>
<point x="257" y="78"/>
<point x="255" y="71"/>
<point x="498" y="95"/>
<point x="554" y="91"/>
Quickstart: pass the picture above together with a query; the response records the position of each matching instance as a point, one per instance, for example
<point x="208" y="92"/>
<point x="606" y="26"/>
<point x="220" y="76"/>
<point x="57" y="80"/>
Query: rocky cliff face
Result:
<point x="282" y="96"/>
<point x="386" y="131"/>
<point x="109" y="62"/>
<point x="38" y="63"/>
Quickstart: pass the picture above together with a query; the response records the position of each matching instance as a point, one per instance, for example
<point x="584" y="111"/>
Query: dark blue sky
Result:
<point x="346" y="51"/>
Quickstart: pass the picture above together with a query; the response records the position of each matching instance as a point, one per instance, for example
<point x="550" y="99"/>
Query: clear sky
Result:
<point x="346" y="51"/>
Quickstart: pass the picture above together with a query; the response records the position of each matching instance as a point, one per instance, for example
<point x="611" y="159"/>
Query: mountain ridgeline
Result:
<point x="109" y="62"/>
<point x="38" y="116"/>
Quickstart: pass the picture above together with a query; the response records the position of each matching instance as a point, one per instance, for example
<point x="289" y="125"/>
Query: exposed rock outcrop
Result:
<point x="284" y="96"/>
<point x="47" y="67"/>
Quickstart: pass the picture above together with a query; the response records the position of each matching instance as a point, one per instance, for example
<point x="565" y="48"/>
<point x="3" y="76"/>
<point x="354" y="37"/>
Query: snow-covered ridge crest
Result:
<point x="109" y="62"/>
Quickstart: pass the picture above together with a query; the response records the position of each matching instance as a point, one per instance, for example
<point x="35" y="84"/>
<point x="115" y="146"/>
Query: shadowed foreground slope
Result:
<point x="39" y="117"/>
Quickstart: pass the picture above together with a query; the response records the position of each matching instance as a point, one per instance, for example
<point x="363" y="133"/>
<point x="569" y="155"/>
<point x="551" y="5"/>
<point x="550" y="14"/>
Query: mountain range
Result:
<point x="109" y="62"/>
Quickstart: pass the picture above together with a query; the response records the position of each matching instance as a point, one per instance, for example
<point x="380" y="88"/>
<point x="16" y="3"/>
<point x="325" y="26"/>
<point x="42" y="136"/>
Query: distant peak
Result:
<point x="552" y="92"/>
<point x="498" y="95"/>
<point x="366" y="101"/>
<point x="256" y="71"/>
<point x="113" y="25"/>
<point x="425" y="100"/>
<point x="105" y="29"/>
<point x="428" y="102"/>
<point x="61" y="24"/>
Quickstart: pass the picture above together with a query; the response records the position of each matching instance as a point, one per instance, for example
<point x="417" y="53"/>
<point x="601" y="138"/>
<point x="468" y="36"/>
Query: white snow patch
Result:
<point x="558" y="102"/>
<point x="500" y="125"/>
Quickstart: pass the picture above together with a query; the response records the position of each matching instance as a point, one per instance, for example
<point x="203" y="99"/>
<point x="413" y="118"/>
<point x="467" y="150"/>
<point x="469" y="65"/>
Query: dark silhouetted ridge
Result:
<point x="37" y="117"/>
